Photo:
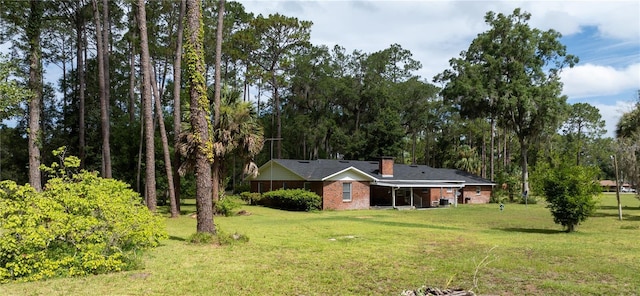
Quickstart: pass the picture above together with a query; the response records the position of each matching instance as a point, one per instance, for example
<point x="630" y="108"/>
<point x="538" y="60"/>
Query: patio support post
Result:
<point x="411" y="188"/>
<point x="393" y="197"/>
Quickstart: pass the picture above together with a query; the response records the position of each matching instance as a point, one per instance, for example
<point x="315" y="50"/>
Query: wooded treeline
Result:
<point x="129" y="84"/>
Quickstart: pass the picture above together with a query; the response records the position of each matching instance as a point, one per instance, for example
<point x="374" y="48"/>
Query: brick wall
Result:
<point x="332" y="196"/>
<point x="475" y="198"/>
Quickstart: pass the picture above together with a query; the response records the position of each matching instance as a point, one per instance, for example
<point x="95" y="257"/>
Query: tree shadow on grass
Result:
<point x="372" y="220"/>
<point x="177" y="238"/>
<point x="615" y="208"/>
<point x="532" y="230"/>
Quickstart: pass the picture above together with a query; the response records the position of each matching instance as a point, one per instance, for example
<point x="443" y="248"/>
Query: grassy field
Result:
<point x="519" y="251"/>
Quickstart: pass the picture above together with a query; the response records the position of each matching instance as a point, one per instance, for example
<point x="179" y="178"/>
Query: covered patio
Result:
<point x="415" y="194"/>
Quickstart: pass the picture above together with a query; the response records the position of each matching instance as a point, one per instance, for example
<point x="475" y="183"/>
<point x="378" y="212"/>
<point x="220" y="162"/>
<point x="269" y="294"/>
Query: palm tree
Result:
<point x="468" y="160"/>
<point x="237" y="134"/>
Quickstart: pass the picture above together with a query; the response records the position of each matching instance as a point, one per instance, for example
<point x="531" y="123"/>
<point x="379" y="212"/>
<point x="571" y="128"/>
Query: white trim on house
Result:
<point x="334" y="176"/>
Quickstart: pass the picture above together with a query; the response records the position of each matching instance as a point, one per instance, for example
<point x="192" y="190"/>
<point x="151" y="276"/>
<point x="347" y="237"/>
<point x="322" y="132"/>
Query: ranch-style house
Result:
<point x="351" y="184"/>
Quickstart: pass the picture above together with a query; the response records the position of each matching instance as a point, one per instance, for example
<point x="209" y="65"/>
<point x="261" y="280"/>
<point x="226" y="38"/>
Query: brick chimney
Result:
<point x="386" y="166"/>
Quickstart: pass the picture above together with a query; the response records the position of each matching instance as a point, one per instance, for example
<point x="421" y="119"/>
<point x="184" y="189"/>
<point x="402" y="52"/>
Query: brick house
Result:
<point x="351" y="184"/>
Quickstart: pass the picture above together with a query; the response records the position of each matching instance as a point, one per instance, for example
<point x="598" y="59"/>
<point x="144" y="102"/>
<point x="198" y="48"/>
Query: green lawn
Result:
<point x="382" y="252"/>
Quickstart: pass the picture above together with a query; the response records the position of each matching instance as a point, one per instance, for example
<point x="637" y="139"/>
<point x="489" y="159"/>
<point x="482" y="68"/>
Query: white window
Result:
<point x="478" y="190"/>
<point x="259" y="187"/>
<point x="450" y="189"/>
<point x="346" y="191"/>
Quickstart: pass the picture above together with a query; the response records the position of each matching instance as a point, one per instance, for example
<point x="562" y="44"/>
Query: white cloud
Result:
<point x="611" y="114"/>
<point x="591" y="80"/>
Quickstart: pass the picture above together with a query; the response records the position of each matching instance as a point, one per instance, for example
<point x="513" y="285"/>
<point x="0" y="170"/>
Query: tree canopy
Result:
<point x="511" y="72"/>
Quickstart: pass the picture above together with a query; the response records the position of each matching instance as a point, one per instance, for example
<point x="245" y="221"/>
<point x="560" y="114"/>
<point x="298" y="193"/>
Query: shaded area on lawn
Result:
<point x="531" y="230"/>
<point x="370" y="219"/>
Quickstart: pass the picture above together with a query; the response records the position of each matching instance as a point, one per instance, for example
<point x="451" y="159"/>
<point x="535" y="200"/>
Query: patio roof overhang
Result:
<point x="420" y="183"/>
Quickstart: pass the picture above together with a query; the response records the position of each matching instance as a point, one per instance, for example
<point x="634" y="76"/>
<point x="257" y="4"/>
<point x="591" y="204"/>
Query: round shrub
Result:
<point x="227" y="206"/>
<point x="80" y="224"/>
<point x="251" y="198"/>
<point x="292" y="199"/>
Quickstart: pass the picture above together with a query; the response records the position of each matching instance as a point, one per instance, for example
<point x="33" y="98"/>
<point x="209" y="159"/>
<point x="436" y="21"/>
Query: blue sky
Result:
<point x="605" y="35"/>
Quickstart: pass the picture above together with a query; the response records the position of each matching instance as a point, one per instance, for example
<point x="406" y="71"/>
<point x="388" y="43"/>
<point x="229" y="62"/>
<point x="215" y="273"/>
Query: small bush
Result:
<point x="227" y="206"/>
<point x="292" y="199"/>
<point x="80" y="224"/>
<point x="531" y="200"/>
<point x="202" y="238"/>
<point x="220" y="238"/>
<point x="242" y="187"/>
<point x="251" y="198"/>
<point x="499" y="198"/>
<point x="570" y="191"/>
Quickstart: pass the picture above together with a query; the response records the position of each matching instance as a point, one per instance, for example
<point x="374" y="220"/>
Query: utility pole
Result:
<point x="271" y="160"/>
<point x="615" y="167"/>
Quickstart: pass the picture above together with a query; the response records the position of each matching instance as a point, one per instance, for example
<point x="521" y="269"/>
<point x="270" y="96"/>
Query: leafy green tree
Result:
<point x="513" y="70"/>
<point x="281" y="37"/>
<point x="570" y="191"/>
<point x="12" y="93"/>
<point x="583" y="124"/>
<point x="418" y="99"/>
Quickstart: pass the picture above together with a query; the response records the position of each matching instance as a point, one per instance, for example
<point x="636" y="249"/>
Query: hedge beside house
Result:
<point x="292" y="200"/>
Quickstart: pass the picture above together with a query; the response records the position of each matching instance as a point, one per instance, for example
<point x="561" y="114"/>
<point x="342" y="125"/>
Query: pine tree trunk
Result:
<point x="150" y="159"/>
<point x="177" y="112"/>
<point x="194" y="56"/>
<point x="132" y="69"/>
<point x="79" y="18"/>
<point x="217" y="162"/>
<point x="165" y="148"/>
<point x="35" y="85"/>
<point x="104" y="101"/>
<point x="524" y="151"/>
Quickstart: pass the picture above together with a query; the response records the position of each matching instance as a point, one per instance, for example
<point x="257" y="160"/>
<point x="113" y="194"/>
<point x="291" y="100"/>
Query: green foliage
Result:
<point x="80" y="224"/>
<point x="227" y="205"/>
<point x="292" y="199"/>
<point x="202" y="238"/>
<point x="10" y="90"/>
<point x="221" y="238"/>
<point x="569" y="191"/>
<point x="251" y="198"/>
<point x="531" y="200"/>
<point x="241" y="188"/>
<point x="508" y="187"/>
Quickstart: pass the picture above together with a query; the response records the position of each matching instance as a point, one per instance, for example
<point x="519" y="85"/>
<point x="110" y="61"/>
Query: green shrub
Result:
<point x="292" y="199"/>
<point x="227" y="206"/>
<point x="531" y="200"/>
<point x="570" y="191"/>
<point x="80" y="224"/>
<point x="251" y="198"/>
<point x="202" y="238"/>
<point x="242" y="187"/>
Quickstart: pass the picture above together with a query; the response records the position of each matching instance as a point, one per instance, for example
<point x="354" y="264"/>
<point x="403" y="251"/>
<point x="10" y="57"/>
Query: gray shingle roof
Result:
<point x="315" y="170"/>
